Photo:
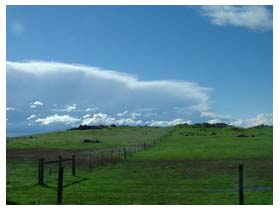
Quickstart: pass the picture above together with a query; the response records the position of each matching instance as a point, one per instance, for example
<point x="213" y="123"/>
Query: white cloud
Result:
<point x="17" y="28"/>
<point x="38" y="103"/>
<point x="129" y="114"/>
<point x="166" y="123"/>
<point x="122" y="113"/>
<point x="105" y="119"/>
<point x="260" y="119"/>
<point x="135" y="115"/>
<point x="10" y="109"/>
<point x="111" y="91"/>
<point x="68" y="108"/>
<point x="86" y="116"/>
<point x="31" y="117"/>
<point x="64" y="119"/>
<point x="213" y="121"/>
<point x="35" y="104"/>
<point x="251" y="17"/>
<point x="91" y="109"/>
<point x="128" y="121"/>
<point x="99" y="119"/>
<point x="265" y="119"/>
<point x="71" y="108"/>
<point x="214" y="115"/>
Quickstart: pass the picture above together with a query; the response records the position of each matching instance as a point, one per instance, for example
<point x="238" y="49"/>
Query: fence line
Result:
<point x="92" y="156"/>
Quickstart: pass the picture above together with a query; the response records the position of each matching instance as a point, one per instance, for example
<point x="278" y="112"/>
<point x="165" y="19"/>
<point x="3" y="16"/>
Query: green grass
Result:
<point x="109" y="137"/>
<point x="184" y="168"/>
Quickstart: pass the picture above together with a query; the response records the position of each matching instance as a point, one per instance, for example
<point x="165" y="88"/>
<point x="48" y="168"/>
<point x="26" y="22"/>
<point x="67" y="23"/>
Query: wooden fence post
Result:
<point x="241" y="187"/>
<point x="124" y="153"/>
<point x="74" y="165"/>
<point x="59" y="161"/>
<point x="41" y="171"/>
<point x="60" y="186"/>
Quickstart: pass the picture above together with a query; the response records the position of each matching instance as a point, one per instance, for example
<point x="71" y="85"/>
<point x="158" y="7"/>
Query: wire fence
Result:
<point x="150" y="182"/>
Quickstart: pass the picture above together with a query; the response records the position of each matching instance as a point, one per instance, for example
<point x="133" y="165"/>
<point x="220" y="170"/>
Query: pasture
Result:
<point x="187" y="165"/>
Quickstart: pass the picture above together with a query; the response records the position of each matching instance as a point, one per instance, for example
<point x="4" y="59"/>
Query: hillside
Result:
<point x="189" y="164"/>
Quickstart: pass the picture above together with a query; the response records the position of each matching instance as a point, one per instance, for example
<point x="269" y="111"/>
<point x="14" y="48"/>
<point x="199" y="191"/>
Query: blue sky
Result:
<point x="182" y="63"/>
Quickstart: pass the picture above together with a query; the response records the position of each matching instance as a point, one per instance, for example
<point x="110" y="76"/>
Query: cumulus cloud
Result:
<point x="135" y="115"/>
<point x="86" y="116"/>
<point x="213" y="121"/>
<point x="64" y="119"/>
<point x="91" y="109"/>
<point x="71" y="108"/>
<point x="128" y="121"/>
<point x="68" y="108"/>
<point x="265" y="119"/>
<point x="35" y="104"/>
<point x="10" y="109"/>
<point x="129" y="114"/>
<point x="99" y="119"/>
<point x="105" y="119"/>
<point x="251" y="17"/>
<point x="31" y="117"/>
<point x="122" y="113"/>
<point x="166" y="123"/>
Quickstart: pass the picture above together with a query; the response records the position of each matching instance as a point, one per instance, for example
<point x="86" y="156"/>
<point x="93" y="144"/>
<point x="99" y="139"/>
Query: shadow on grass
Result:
<point x="48" y="187"/>
<point x="82" y="179"/>
<point x="75" y="182"/>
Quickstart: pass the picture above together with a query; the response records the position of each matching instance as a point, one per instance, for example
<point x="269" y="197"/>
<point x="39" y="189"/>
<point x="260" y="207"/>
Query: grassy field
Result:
<point x="192" y="165"/>
<point x="108" y="137"/>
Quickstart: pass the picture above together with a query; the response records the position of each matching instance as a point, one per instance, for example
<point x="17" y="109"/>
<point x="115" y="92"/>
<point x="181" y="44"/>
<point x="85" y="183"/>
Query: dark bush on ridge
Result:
<point x="242" y="135"/>
<point x="91" y="141"/>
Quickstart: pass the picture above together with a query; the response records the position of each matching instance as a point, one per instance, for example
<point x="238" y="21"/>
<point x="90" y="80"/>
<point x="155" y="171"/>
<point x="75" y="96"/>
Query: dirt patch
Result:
<point x="54" y="153"/>
<point x="39" y="153"/>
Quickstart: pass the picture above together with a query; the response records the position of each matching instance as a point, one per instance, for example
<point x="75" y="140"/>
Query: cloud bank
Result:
<point x="46" y="96"/>
<point x="60" y="83"/>
<point x="252" y="17"/>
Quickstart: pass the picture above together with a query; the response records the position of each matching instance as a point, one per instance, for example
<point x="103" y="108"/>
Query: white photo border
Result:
<point x="276" y="92"/>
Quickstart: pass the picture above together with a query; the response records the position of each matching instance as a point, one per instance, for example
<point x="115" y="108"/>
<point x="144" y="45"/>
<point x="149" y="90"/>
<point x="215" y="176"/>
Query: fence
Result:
<point x="97" y="158"/>
<point x="42" y="163"/>
<point x="92" y="159"/>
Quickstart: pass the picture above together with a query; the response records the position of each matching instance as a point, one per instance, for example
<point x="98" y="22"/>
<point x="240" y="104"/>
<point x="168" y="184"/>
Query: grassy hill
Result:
<point x="73" y="139"/>
<point x="190" y="165"/>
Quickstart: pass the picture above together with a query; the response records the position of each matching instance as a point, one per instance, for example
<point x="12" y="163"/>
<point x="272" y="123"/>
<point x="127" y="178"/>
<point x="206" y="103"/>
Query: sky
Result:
<point x="137" y="65"/>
